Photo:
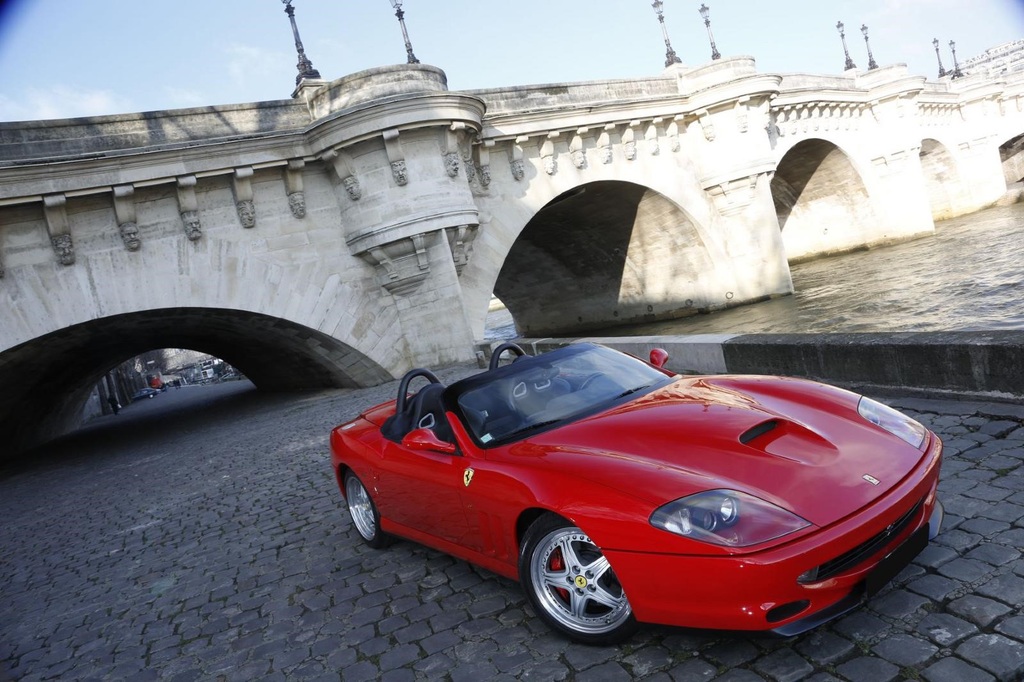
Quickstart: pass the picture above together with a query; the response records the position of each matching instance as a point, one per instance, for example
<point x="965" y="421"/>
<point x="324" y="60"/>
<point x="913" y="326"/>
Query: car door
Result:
<point x="420" y="490"/>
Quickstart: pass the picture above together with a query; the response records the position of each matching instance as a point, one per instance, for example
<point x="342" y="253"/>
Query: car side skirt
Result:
<point x="484" y="561"/>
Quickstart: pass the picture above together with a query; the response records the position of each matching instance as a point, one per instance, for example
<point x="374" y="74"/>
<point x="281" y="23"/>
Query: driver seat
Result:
<point x="423" y="410"/>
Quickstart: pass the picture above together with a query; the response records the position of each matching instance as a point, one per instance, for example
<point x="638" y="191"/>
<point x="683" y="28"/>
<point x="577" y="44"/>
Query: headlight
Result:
<point x="896" y="423"/>
<point x="726" y="517"/>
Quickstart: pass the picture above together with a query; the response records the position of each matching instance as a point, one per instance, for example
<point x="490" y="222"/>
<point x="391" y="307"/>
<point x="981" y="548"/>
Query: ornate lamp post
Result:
<point x="397" y="4"/>
<point x="942" y="69"/>
<point x="704" y="12"/>
<point x="842" y="35"/>
<point x="871" y="58"/>
<point x="670" y="54"/>
<point x="957" y="73"/>
<point x="305" y="66"/>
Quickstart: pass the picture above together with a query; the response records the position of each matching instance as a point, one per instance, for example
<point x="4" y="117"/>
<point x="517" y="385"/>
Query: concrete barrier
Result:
<point x="984" y="365"/>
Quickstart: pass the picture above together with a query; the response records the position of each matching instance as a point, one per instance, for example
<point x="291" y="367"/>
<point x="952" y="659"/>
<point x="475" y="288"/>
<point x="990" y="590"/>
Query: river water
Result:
<point x="968" y="276"/>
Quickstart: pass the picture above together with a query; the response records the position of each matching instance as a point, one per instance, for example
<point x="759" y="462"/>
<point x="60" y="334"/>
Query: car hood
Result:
<point x="798" y="444"/>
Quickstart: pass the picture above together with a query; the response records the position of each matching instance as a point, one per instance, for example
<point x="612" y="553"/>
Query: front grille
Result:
<point x="848" y="560"/>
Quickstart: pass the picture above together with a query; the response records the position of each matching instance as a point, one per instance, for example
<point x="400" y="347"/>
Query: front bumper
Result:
<point x="761" y="591"/>
<point x="894" y="562"/>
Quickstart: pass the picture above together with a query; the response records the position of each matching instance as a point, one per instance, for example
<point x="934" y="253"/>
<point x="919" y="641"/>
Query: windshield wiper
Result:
<point x="531" y="427"/>
<point x="631" y="391"/>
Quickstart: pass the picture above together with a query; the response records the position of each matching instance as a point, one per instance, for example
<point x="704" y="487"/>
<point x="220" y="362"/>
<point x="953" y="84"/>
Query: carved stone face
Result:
<point x="518" y="171"/>
<point x="400" y="172"/>
<point x="451" y="164"/>
<point x="65" y="249"/>
<point x="190" y="220"/>
<point x="130" y="236"/>
<point x="247" y="213"/>
<point x="297" y="203"/>
<point x="353" y="188"/>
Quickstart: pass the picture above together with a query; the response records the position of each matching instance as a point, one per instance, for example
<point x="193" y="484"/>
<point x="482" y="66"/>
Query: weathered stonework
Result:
<point x="294" y="187"/>
<point x="460" y="241"/>
<point x="451" y="164"/>
<point x="690" y="175"/>
<point x="629" y="143"/>
<point x="604" y="145"/>
<point x="396" y="155"/>
<point x="190" y="223"/>
<point x="342" y="165"/>
<point x="297" y="204"/>
<point x="59" y="228"/>
<point x="64" y="249"/>
<point x="351" y="183"/>
<point x="576" y="153"/>
<point x="246" y="213"/>
<point x="242" y="185"/>
<point x="124" y="211"/>
<point x="399" y="172"/>
<point x="189" y="207"/>
<point x="130" y="236"/>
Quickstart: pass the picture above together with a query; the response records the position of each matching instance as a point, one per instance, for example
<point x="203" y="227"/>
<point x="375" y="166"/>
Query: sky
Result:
<point x="69" y="58"/>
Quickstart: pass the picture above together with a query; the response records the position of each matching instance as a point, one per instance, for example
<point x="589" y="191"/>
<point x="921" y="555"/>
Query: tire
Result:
<point x="364" y="513"/>
<point x="570" y="584"/>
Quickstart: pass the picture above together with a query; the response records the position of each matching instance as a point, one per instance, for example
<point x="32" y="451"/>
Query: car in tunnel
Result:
<point x="618" y="492"/>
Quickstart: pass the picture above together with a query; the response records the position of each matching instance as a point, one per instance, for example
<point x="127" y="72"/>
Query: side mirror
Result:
<point x="659" y="356"/>
<point x="427" y="440"/>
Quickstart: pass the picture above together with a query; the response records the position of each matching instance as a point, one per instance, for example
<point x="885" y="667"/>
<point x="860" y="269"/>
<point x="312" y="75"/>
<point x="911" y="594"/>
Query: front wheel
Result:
<point x="571" y="585"/>
<point x="364" y="513"/>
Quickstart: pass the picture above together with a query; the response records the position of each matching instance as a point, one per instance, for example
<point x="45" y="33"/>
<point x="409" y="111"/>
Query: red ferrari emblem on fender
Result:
<point x="467" y="476"/>
<point x="869" y="478"/>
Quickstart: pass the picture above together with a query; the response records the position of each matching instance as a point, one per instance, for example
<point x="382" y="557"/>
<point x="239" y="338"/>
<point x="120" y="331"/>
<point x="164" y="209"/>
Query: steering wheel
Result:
<point x="590" y="379"/>
<point x="496" y="355"/>
<point x="403" y="386"/>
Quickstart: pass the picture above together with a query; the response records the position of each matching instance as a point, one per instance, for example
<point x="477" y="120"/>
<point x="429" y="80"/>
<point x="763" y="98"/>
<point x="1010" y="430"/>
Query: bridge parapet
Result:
<point x="417" y="184"/>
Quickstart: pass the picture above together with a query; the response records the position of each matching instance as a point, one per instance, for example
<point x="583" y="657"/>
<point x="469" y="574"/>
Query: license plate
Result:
<point x="896" y="561"/>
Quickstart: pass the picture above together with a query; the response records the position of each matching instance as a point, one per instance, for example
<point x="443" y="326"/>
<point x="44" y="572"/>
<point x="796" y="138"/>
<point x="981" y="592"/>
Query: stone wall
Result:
<point x="983" y="365"/>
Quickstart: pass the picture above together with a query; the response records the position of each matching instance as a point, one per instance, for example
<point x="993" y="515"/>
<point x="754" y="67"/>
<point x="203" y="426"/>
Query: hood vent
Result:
<point x="759" y="430"/>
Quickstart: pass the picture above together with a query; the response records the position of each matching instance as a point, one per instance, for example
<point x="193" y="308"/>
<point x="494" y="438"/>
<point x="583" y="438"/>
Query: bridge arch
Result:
<point x="605" y="253"/>
<point x="297" y="271"/>
<point x="822" y="200"/>
<point x="48" y="379"/>
<point x="1011" y="153"/>
<point x="942" y="178"/>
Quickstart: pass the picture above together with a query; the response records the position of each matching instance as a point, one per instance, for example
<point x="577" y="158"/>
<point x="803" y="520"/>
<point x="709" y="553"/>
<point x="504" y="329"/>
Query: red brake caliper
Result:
<point x="556" y="563"/>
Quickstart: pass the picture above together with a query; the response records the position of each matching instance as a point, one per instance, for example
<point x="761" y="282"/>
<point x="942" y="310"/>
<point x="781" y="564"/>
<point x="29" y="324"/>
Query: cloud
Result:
<point x="247" y="65"/>
<point x="62" y="101"/>
<point x="183" y="98"/>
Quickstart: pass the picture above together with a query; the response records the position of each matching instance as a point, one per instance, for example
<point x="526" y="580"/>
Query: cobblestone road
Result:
<point x="203" y="538"/>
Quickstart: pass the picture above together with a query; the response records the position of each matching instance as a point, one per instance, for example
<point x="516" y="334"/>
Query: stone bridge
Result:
<point x="360" y="228"/>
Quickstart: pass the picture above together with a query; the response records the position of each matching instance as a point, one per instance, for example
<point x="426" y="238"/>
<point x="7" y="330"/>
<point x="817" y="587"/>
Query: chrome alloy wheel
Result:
<point x="575" y="585"/>
<point x="360" y="506"/>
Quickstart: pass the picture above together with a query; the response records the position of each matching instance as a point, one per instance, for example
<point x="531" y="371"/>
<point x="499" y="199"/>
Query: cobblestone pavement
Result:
<point x="203" y="538"/>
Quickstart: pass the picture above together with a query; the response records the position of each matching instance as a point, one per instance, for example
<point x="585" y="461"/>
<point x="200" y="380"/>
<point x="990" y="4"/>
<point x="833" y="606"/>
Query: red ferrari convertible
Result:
<point x="618" y="492"/>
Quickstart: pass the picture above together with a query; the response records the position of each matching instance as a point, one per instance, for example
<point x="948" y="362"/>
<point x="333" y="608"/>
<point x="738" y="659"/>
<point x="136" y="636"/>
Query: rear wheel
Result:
<point x="571" y="585"/>
<point x="364" y="513"/>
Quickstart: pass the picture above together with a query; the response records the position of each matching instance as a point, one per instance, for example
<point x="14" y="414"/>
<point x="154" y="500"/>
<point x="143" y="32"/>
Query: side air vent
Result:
<point x="759" y="430"/>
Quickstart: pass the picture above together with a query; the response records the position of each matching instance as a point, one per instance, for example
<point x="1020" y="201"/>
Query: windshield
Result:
<point x="544" y="391"/>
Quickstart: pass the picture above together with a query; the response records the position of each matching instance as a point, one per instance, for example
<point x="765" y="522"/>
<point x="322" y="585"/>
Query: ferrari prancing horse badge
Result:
<point x="467" y="476"/>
